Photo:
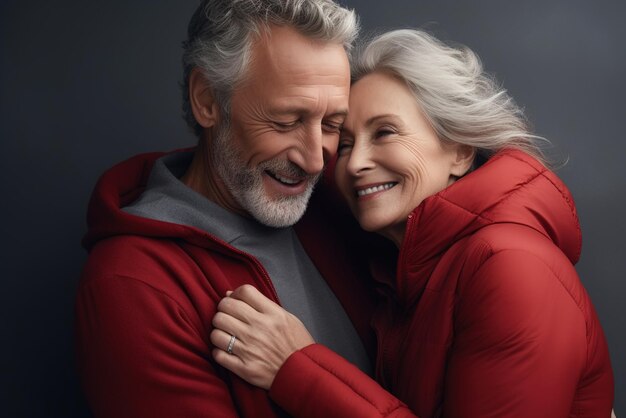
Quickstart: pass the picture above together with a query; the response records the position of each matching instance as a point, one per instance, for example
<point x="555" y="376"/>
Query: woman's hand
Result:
<point x="266" y="335"/>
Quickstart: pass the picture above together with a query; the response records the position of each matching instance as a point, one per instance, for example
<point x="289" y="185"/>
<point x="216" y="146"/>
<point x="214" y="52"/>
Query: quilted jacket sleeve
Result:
<point x="141" y="355"/>
<point x="316" y="382"/>
<point x="520" y="347"/>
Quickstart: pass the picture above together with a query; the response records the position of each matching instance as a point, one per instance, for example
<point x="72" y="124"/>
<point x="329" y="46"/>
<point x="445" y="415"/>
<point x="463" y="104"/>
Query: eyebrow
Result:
<point x="373" y="119"/>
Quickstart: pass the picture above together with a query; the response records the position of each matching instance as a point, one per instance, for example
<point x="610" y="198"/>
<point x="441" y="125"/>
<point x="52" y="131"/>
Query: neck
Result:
<point x="395" y="234"/>
<point x="202" y="177"/>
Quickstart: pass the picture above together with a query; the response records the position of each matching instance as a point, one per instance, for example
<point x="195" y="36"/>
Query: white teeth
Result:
<point x="285" y="180"/>
<point x="375" y="189"/>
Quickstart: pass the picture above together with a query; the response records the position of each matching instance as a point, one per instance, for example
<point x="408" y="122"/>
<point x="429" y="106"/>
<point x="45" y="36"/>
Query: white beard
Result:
<point x="246" y="184"/>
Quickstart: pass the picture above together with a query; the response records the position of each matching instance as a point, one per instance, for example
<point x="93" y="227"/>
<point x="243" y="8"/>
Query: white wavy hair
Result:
<point x="462" y="103"/>
<point x="221" y="32"/>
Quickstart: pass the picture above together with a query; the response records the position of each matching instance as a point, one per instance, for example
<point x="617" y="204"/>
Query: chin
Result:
<point x="370" y="225"/>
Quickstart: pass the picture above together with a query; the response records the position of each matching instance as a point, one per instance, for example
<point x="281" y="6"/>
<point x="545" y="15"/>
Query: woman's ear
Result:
<point x="203" y="105"/>
<point x="465" y="155"/>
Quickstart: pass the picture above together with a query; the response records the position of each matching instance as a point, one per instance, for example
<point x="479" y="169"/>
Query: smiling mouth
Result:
<point x="375" y="189"/>
<point x="284" y="180"/>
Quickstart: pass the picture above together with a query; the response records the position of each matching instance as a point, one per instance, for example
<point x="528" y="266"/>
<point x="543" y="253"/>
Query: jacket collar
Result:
<point x="511" y="187"/>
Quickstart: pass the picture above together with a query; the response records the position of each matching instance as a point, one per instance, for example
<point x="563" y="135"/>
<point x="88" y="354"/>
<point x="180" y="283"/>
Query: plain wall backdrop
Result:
<point x="85" y="84"/>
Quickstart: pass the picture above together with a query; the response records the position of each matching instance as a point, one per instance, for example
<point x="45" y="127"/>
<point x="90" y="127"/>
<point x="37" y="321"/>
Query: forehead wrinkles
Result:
<point x="333" y="81"/>
<point x="315" y="97"/>
<point x="291" y="73"/>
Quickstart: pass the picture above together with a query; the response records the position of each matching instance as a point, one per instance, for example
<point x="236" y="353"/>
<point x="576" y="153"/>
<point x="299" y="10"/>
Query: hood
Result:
<point x="511" y="187"/>
<point x="117" y="188"/>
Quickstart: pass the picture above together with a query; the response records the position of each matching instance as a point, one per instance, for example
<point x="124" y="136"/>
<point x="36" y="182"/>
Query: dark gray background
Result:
<point x="87" y="83"/>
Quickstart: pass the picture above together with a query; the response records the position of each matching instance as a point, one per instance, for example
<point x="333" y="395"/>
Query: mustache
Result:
<point x="287" y="168"/>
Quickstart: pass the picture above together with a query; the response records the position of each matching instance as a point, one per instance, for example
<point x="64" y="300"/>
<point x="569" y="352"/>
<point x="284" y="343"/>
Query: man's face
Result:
<point x="284" y="126"/>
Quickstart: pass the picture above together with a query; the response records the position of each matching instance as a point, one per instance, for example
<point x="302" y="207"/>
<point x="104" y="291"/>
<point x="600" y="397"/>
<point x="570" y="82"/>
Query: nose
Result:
<point x="359" y="159"/>
<point x="315" y="148"/>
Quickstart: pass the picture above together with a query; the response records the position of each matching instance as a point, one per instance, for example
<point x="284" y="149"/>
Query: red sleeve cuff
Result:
<point x="316" y="382"/>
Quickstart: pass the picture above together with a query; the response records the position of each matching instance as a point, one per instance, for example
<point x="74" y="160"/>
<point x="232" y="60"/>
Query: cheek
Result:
<point x="424" y="170"/>
<point x="412" y="162"/>
<point x="258" y="143"/>
<point x="253" y="134"/>
<point x="432" y="176"/>
<point x="250" y="126"/>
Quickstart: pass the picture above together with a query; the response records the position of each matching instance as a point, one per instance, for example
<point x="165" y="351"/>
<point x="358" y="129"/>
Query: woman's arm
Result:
<point x="274" y="350"/>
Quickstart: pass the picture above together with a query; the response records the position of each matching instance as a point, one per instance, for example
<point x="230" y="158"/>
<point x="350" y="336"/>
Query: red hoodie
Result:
<point x="148" y="293"/>
<point x="485" y="317"/>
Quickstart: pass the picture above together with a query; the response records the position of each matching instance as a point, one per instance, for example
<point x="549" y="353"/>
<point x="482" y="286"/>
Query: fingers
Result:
<point x="237" y="309"/>
<point x="266" y="335"/>
<point x="221" y="340"/>
<point x="252" y="374"/>
<point x="229" y="361"/>
<point x="239" y="362"/>
<point x="251" y="295"/>
<point x="229" y="324"/>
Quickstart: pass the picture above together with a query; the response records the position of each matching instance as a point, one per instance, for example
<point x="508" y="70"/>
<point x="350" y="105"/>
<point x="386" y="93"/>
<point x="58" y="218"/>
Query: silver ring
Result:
<point x="231" y="344"/>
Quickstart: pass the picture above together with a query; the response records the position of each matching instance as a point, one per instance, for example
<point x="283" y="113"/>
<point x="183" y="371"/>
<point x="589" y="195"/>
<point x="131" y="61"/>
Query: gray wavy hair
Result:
<point x="221" y="32"/>
<point x="462" y="103"/>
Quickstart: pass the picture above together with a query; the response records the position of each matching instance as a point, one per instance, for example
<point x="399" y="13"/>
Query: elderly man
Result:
<point x="266" y="86"/>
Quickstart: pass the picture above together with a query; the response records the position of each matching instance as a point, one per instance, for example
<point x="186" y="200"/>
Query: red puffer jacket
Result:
<point x="486" y="316"/>
<point x="149" y="291"/>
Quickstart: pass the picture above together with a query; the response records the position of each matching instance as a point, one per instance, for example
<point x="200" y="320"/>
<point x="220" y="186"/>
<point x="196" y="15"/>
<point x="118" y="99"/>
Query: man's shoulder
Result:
<point x="126" y="253"/>
<point x="190" y="269"/>
<point x="130" y="257"/>
<point x="133" y="288"/>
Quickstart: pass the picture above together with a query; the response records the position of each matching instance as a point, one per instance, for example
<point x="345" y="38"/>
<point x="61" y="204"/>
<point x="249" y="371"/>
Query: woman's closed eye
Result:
<point x="384" y="131"/>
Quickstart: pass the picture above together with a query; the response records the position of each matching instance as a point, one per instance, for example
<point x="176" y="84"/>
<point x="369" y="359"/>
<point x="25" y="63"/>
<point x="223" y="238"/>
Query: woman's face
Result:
<point x="389" y="157"/>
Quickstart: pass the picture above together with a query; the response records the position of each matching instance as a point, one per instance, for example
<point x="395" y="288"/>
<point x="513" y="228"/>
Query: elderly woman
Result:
<point x="484" y="314"/>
